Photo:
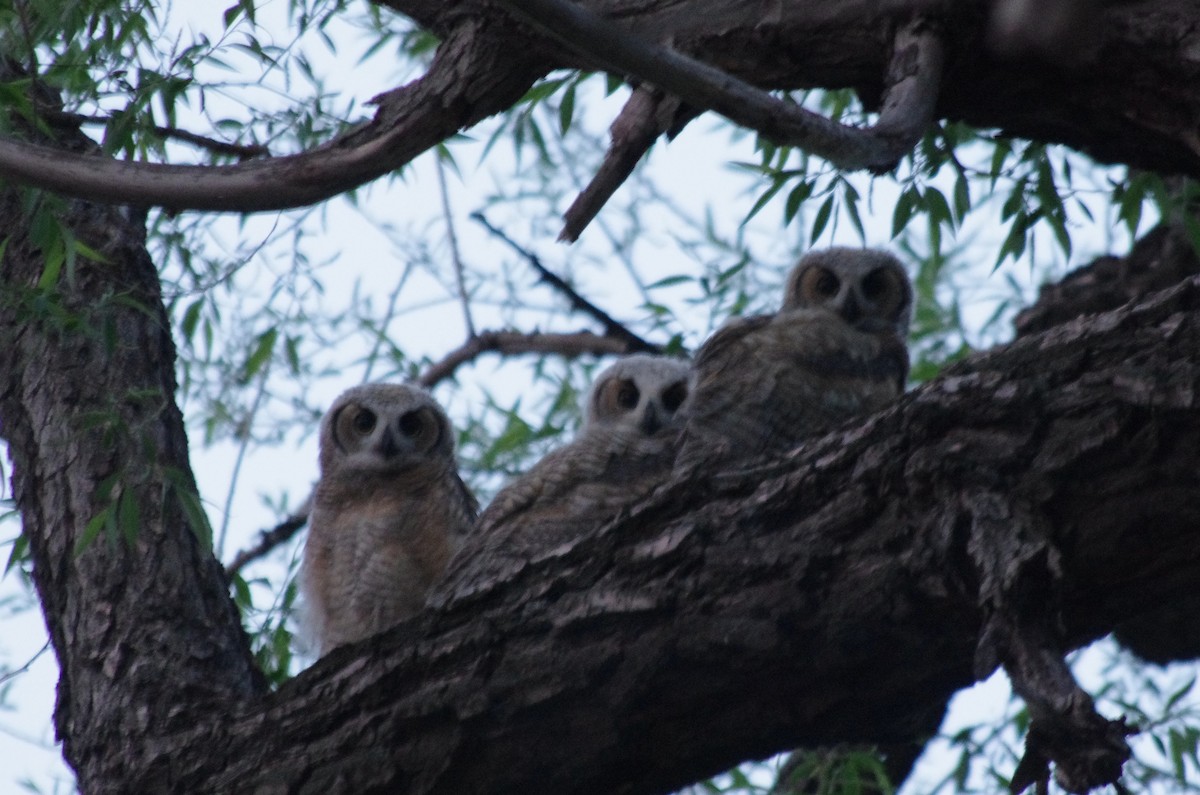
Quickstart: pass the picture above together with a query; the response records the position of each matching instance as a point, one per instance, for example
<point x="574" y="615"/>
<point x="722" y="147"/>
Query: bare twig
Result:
<point x="612" y="328"/>
<point x="452" y="238"/>
<point x="14" y="673"/>
<point x="646" y="115"/>
<point x="243" y="151"/>
<point x="913" y="79"/>
<point x="512" y="343"/>
<point x="269" y="539"/>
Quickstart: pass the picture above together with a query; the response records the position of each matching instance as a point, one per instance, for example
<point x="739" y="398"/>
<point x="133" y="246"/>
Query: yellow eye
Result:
<point x="876" y="283"/>
<point x="410" y="423"/>
<point x="627" y="395"/>
<point x="674" y="395"/>
<point x="819" y="284"/>
<point x="364" y="421"/>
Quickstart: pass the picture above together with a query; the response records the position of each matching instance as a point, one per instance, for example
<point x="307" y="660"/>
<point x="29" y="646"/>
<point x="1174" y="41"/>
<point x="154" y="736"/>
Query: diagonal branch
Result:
<point x="648" y="114"/>
<point x="269" y="539"/>
<point x="471" y="78"/>
<point x="612" y="328"/>
<point x="913" y="79"/>
<point x="513" y="343"/>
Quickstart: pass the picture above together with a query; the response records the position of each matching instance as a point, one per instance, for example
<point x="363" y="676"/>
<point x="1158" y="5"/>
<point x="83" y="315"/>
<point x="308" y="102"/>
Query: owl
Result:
<point x="625" y="448"/>
<point x="389" y="511"/>
<point x="836" y="348"/>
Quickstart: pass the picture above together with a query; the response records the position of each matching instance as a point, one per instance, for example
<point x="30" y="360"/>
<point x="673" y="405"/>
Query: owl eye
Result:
<point x="364" y="421"/>
<point x="876" y="283"/>
<point x="825" y="283"/>
<point x="627" y="395"/>
<point x="674" y="396"/>
<point x="410" y="423"/>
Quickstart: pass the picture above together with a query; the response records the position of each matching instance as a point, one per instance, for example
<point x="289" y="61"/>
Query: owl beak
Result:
<point x="650" y="422"/>
<point x="851" y="311"/>
<point x="387" y="445"/>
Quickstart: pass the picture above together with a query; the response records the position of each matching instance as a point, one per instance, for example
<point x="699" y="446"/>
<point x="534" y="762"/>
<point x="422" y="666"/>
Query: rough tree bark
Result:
<point x="1028" y="501"/>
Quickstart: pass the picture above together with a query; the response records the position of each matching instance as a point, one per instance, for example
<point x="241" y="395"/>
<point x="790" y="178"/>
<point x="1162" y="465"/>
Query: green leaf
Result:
<point x="263" y="349"/>
<point x="18" y="554"/>
<point x="821" y="219"/>
<point x="129" y="517"/>
<point x="904" y="210"/>
<point x="566" y="110"/>
<point x="93" y="528"/>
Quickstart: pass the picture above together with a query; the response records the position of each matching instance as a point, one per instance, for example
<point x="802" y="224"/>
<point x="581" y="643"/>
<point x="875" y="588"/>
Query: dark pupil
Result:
<point x="827" y="283"/>
<point x="875" y="283"/>
<point x="627" y="397"/>
<point x="364" y="421"/>
<point x="673" y="397"/>
<point x="410" y="424"/>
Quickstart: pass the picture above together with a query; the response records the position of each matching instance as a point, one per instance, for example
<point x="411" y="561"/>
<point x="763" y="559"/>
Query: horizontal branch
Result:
<point x="515" y="343"/>
<point x="831" y="596"/>
<point x="912" y="86"/>
<point x="471" y="77"/>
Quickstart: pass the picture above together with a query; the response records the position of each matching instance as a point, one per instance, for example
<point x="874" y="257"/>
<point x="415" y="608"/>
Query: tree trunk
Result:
<point x="135" y="603"/>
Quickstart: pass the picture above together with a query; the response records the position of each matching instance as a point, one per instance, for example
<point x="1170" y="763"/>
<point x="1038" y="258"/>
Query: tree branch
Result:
<point x="646" y="115"/>
<point x="513" y="343"/>
<point x="829" y="597"/>
<point x="243" y="151"/>
<point x="914" y="75"/>
<point x="472" y="76"/>
<point x="269" y="539"/>
<point x="612" y="328"/>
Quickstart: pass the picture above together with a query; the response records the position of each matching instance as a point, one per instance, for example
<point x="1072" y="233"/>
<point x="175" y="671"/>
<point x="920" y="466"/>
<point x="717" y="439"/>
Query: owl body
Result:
<point x="624" y="450"/>
<point x="389" y="511"/>
<point x="835" y="349"/>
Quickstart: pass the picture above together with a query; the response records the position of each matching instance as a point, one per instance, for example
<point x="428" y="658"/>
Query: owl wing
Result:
<point x="763" y="384"/>
<point x="569" y="491"/>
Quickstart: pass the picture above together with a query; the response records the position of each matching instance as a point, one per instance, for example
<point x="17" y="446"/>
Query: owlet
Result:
<point x="388" y="512"/>
<point x="835" y="349"/>
<point x="625" y="449"/>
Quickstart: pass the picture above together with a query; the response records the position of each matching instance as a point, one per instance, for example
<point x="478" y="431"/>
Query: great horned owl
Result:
<point x="624" y="449"/>
<point x="388" y="512"/>
<point x="836" y="348"/>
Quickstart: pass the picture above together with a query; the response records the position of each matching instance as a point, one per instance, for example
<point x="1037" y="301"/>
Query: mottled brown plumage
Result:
<point x="625" y="449"/>
<point x="388" y="513"/>
<point x="835" y="349"/>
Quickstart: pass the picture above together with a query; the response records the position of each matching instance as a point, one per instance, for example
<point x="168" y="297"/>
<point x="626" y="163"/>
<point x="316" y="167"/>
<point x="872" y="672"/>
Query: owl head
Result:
<point x="867" y="287"/>
<point x="639" y="391"/>
<point x="383" y="428"/>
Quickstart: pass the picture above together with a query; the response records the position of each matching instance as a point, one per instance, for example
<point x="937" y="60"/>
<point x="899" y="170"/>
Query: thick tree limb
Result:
<point x="829" y="597"/>
<point x="912" y="87"/>
<point x="472" y="76"/>
<point x="1130" y="98"/>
